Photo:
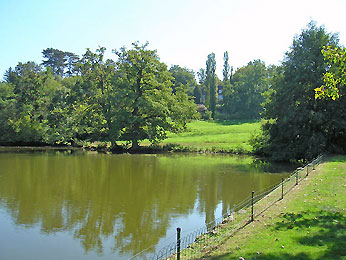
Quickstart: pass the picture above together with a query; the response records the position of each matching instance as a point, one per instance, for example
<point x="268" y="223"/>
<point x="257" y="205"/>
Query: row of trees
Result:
<point x="91" y="98"/>
<point x="239" y="95"/>
<point x="302" y="101"/>
<point x="67" y="98"/>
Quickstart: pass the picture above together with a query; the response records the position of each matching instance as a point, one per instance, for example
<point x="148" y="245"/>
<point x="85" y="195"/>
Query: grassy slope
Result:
<point x="310" y="223"/>
<point x="217" y="136"/>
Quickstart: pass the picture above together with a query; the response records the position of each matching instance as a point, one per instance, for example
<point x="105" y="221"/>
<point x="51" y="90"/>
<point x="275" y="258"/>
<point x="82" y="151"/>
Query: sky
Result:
<point x="183" y="32"/>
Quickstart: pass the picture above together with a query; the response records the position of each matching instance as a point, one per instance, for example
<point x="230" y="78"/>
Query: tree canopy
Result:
<point x="242" y="99"/>
<point x="147" y="106"/>
<point x="297" y="125"/>
<point x="60" y="62"/>
<point x="131" y="99"/>
<point x="335" y="77"/>
<point x="67" y="98"/>
<point x="183" y="78"/>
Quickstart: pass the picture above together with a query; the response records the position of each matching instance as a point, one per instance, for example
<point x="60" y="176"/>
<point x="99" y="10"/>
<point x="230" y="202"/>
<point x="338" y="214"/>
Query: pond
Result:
<point x="73" y="205"/>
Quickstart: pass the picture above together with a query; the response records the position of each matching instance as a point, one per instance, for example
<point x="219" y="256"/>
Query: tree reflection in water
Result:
<point x="131" y="198"/>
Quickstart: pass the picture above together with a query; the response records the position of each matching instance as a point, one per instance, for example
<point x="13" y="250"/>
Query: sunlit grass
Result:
<point x="308" y="224"/>
<point x="225" y="135"/>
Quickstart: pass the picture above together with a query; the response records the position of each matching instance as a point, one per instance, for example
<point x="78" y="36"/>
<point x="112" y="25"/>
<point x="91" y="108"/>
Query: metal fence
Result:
<point x="200" y="241"/>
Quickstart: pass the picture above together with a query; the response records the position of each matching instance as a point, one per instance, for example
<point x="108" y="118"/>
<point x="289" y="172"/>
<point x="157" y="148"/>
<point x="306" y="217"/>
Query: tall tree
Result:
<point x="8" y="104"/>
<point x="61" y="63"/>
<point x="55" y="60"/>
<point x="71" y="64"/>
<point x="298" y="126"/>
<point x="243" y="98"/>
<point x="147" y="108"/>
<point x="28" y="103"/>
<point x="211" y="82"/>
<point x="202" y="89"/>
<point x="226" y="67"/>
<point x="93" y="95"/>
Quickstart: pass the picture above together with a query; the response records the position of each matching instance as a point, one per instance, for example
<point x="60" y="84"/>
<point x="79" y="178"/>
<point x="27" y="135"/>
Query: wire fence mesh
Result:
<point x="201" y="240"/>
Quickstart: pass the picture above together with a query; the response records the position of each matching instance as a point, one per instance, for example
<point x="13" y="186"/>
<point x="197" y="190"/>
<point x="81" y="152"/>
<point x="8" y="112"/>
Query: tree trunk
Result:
<point x="135" y="145"/>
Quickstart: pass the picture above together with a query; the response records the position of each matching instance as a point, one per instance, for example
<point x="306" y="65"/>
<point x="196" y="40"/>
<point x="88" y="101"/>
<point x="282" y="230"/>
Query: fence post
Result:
<point x="307" y="170"/>
<point x="252" y="206"/>
<point x="282" y="188"/>
<point x="296" y="177"/>
<point x="178" y="243"/>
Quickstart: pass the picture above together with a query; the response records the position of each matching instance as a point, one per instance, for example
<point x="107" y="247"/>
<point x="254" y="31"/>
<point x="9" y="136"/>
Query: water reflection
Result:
<point x="132" y="199"/>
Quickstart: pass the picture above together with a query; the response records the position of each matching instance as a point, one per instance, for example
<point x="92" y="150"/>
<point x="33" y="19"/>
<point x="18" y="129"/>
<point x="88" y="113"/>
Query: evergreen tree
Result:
<point x="226" y="68"/>
<point x="61" y="63"/>
<point x="55" y="60"/>
<point x="211" y="82"/>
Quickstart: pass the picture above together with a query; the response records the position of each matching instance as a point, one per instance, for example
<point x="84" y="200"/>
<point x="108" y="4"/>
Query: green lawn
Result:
<point x="224" y="136"/>
<point x="310" y="223"/>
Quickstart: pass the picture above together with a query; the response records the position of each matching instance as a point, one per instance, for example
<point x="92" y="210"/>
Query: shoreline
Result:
<point x="155" y="149"/>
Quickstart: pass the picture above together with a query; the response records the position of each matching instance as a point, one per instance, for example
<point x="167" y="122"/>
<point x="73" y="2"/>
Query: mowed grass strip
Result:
<point x="310" y="223"/>
<point x="218" y="136"/>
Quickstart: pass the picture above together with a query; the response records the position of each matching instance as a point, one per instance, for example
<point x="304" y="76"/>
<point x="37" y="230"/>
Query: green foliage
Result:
<point x="24" y="111"/>
<point x="298" y="126"/>
<point x="205" y="114"/>
<point x="7" y="108"/>
<point x="335" y="77"/>
<point x="147" y="108"/>
<point x="61" y="63"/>
<point x="95" y="102"/>
<point x="183" y="78"/>
<point x="242" y="99"/>
<point x="226" y="67"/>
<point x="129" y="100"/>
<point x="203" y="91"/>
<point x="197" y="93"/>
<point x="201" y="76"/>
<point x="210" y="80"/>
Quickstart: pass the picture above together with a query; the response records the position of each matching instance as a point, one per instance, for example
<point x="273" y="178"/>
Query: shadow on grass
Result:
<point x="282" y="256"/>
<point x="315" y="229"/>
<point x="331" y="232"/>
<point x="337" y="158"/>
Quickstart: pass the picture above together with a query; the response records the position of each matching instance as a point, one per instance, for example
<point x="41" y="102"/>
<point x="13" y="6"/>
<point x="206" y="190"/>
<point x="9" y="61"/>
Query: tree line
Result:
<point x="238" y="95"/>
<point x="301" y="102"/>
<point x="69" y="98"/>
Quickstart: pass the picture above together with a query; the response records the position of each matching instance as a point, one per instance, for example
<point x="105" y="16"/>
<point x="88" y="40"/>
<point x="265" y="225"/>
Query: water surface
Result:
<point x="55" y="205"/>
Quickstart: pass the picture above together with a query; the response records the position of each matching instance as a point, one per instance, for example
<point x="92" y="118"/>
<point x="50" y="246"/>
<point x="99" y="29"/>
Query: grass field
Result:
<point x="226" y="136"/>
<point x="310" y="223"/>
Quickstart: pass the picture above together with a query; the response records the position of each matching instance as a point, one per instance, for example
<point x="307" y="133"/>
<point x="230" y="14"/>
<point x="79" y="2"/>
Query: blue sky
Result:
<point x="183" y="31"/>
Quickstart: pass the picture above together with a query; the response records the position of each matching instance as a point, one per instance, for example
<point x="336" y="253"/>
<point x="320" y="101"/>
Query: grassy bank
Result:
<point x="200" y="136"/>
<point x="214" y="136"/>
<point x="309" y="223"/>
